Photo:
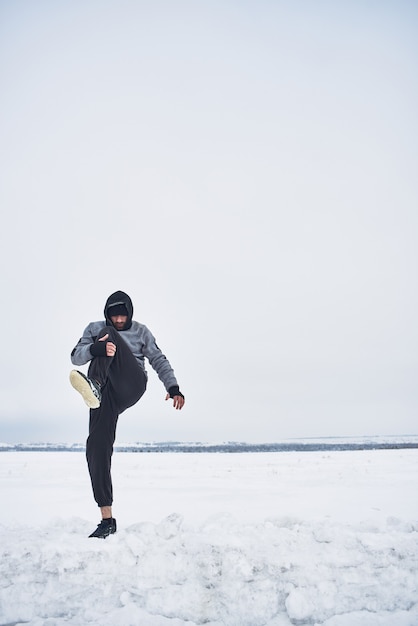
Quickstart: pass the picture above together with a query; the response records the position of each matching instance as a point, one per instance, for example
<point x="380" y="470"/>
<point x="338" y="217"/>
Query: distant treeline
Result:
<point x="223" y="447"/>
<point x="271" y="447"/>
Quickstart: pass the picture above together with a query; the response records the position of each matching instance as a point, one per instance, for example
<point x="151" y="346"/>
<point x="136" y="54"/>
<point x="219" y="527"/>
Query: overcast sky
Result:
<point x="247" y="172"/>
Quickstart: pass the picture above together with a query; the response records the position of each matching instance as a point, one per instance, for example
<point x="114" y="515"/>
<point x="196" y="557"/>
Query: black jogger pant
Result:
<point x="123" y="383"/>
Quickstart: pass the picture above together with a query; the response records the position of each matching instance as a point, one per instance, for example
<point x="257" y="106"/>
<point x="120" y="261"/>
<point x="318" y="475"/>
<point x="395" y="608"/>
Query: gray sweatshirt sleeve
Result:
<point x="158" y="360"/>
<point x="81" y="353"/>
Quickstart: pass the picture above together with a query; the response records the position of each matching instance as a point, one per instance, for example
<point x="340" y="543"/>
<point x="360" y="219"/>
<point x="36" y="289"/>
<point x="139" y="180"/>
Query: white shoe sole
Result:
<point x="81" y="385"/>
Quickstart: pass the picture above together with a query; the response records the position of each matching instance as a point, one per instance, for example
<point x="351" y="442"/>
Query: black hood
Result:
<point x="119" y="297"/>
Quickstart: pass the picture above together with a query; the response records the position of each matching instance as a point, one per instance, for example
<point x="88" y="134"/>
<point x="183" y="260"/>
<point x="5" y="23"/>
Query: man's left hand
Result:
<point x="178" y="401"/>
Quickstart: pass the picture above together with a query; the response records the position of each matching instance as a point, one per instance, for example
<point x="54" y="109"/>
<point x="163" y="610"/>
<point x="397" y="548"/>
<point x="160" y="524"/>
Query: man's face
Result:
<point x="119" y="321"/>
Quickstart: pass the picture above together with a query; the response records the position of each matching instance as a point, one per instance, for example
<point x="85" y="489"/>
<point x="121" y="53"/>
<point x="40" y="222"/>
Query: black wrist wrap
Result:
<point x="98" y="348"/>
<point x="175" y="391"/>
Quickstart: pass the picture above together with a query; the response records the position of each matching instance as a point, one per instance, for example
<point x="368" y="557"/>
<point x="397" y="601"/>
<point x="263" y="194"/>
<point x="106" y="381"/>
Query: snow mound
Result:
<point x="279" y="572"/>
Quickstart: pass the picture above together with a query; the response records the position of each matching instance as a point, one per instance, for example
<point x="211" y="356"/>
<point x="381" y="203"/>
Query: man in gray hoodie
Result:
<point x="116" y="349"/>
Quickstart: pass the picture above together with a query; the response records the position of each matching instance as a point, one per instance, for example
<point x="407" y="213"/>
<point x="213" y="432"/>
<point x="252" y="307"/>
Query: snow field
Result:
<point x="268" y="564"/>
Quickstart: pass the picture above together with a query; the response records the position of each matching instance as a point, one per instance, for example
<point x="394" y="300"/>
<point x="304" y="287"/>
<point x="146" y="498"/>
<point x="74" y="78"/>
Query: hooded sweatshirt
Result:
<point x="138" y="337"/>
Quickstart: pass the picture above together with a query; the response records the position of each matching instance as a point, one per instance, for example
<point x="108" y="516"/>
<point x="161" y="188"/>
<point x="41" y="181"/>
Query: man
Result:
<point x="115" y="381"/>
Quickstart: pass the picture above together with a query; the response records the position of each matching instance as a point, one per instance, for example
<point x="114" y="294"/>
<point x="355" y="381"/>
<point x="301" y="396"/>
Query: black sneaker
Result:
<point x="105" y="528"/>
<point x="89" y="389"/>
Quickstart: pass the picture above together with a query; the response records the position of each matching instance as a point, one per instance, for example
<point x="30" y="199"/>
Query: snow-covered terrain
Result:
<point x="264" y="539"/>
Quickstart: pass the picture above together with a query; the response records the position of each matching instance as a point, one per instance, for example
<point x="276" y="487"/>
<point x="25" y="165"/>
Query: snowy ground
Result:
<point x="276" y="539"/>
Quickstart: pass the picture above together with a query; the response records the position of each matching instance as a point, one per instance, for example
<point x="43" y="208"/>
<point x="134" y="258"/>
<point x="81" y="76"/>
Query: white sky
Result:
<point x="247" y="172"/>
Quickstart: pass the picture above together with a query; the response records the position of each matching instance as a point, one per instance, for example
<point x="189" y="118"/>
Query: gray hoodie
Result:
<point x="138" y="337"/>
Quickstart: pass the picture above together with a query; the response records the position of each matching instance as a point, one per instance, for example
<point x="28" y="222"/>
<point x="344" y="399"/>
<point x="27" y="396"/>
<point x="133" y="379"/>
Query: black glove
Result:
<point x="175" y="391"/>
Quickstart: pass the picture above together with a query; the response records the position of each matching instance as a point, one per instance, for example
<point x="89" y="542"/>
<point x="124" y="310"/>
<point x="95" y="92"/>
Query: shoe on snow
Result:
<point x="89" y="389"/>
<point x="105" y="528"/>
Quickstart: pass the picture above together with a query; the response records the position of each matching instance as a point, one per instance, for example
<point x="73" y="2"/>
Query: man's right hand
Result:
<point x="110" y="347"/>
